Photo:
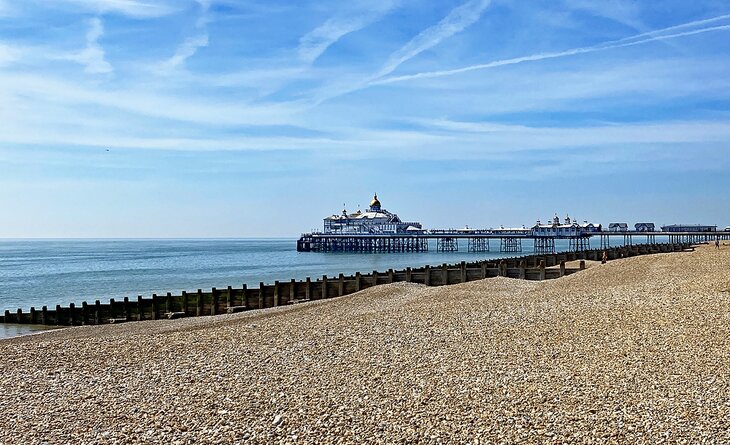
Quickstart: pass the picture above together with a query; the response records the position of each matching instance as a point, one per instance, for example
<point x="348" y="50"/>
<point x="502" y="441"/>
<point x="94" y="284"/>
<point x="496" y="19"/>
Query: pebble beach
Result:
<point x="633" y="351"/>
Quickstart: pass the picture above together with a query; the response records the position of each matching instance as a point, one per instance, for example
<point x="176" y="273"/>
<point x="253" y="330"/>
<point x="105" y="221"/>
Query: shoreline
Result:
<point x="51" y="273"/>
<point x="630" y="351"/>
<point x="234" y="299"/>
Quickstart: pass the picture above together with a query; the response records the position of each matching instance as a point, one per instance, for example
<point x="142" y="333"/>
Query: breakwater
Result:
<point x="230" y="300"/>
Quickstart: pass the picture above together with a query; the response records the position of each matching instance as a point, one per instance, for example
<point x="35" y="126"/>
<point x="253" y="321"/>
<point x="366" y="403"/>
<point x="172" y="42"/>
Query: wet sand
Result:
<point x="10" y="330"/>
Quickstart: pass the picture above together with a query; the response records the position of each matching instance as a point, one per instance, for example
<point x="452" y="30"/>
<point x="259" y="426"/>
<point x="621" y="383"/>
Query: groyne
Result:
<point x="231" y="300"/>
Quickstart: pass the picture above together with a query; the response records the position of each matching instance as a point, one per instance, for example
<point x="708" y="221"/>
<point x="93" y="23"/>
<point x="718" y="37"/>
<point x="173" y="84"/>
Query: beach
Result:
<point x="633" y="351"/>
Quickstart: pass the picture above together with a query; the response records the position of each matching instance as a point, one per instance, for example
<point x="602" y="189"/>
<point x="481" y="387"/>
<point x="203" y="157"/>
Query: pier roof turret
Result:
<point x="374" y="220"/>
<point x="375" y="203"/>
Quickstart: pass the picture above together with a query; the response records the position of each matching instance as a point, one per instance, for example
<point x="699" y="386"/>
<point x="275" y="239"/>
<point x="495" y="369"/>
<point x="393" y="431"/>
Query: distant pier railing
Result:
<point x="231" y="300"/>
<point x="479" y="240"/>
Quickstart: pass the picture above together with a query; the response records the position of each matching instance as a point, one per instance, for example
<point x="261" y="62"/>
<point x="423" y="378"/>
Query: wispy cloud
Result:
<point x="456" y="21"/>
<point x="510" y="137"/>
<point x="8" y="54"/>
<point x="40" y="90"/>
<point x="190" y="45"/>
<point x="186" y="50"/>
<point x="622" y="43"/>
<point x="132" y="8"/>
<point x="686" y="25"/>
<point x="314" y="43"/>
<point x="622" y="11"/>
<point x="92" y="57"/>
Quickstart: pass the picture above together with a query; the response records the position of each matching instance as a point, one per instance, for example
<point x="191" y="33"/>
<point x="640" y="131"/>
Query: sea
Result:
<point x="37" y="273"/>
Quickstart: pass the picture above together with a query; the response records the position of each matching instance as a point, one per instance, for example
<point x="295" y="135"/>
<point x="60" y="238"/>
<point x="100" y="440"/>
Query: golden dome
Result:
<point x="375" y="202"/>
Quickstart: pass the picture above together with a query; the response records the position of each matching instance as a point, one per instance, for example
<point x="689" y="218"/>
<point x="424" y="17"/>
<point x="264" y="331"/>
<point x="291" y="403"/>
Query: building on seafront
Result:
<point x="689" y="228"/>
<point x="569" y="228"/>
<point x="376" y="220"/>
<point x="618" y="227"/>
<point x="644" y="227"/>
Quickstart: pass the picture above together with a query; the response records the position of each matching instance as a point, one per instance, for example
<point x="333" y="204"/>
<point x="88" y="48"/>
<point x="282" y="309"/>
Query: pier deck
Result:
<point x="478" y="240"/>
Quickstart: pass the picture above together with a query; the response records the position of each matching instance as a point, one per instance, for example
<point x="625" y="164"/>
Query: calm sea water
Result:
<point x="49" y="272"/>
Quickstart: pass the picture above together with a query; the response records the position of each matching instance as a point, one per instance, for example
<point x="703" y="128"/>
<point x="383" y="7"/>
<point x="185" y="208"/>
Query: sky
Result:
<point x="225" y="118"/>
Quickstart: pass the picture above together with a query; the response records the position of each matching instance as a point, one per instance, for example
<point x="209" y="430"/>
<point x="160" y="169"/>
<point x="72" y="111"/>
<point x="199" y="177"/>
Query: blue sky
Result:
<point x="207" y="118"/>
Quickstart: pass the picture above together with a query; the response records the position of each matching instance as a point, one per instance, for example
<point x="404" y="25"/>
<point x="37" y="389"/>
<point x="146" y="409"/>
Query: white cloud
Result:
<point x="266" y="78"/>
<point x="508" y="137"/>
<point x="622" y="43"/>
<point x="132" y="8"/>
<point x="315" y="43"/>
<point x="676" y="27"/>
<point x="92" y="57"/>
<point x="189" y="46"/>
<point x="8" y="54"/>
<point x="456" y="21"/>
<point x="622" y="11"/>
<point x="37" y="90"/>
<point x="186" y="50"/>
<point x="204" y="8"/>
<point x="63" y="112"/>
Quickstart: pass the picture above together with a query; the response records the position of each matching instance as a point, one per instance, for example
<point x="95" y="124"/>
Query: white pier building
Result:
<point x="376" y="220"/>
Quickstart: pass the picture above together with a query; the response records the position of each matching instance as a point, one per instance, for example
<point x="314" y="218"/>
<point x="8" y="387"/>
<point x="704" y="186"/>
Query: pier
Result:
<point x="484" y="240"/>
<point x="379" y="231"/>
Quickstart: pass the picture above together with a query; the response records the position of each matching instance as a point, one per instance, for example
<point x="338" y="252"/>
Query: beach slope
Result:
<point x="633" y="351"/>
